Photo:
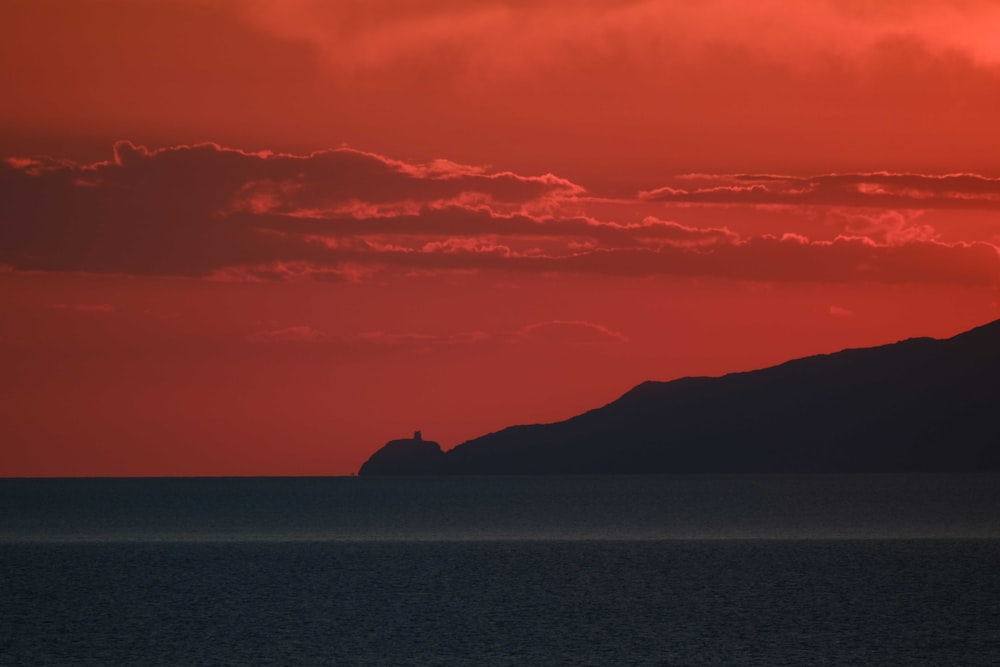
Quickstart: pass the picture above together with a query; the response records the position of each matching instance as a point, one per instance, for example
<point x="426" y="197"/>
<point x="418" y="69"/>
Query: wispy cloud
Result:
<point x="840" y="311"/>
<point x="551" y="331"/>
<point x="876" y="189"/>
<point x="423" y="339"/>
<point x="570" y="331"/>
<point x="231" y="215"/>
<point x="498" y="36"/>
<point x="193" y="210"/>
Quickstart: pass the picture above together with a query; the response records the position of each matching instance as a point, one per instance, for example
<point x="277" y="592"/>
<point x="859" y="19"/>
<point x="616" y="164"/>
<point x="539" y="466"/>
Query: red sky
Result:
<point x="245" y="237"/>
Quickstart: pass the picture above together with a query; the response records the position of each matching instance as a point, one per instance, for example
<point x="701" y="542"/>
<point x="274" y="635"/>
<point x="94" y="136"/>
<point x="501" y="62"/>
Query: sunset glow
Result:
<point x="241" y="237"/>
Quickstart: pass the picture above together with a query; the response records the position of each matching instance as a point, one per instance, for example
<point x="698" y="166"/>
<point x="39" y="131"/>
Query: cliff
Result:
<point x="917" y="405"/>
<point x="408" y="456"/>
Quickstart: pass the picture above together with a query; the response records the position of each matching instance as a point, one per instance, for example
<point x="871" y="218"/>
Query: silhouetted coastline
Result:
<point x="406" y="456"/>
<point x="918" y="405"/>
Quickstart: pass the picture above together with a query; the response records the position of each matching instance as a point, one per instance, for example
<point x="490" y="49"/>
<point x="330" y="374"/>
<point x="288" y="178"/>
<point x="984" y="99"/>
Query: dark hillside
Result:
<point x="917" y="405"/>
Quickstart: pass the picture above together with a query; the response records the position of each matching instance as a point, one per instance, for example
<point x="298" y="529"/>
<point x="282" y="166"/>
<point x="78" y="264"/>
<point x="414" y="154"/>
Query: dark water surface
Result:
<point x="687" y="570"/>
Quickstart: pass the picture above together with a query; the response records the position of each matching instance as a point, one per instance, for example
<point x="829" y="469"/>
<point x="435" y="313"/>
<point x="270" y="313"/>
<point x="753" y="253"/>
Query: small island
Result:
<point x="918" y="405"/>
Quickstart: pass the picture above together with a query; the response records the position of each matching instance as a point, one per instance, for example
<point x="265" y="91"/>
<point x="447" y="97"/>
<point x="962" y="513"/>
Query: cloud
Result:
<point x="839" y="311"/>
<point x="420" y="339"/>
<point x="293" y="271"/>
<point x="892" y="227"/>
<point x="347" y="215"/>
<point x="499" y="36"/>
<point x="178" y="210"/>
<point x="876" y="189"/>
<point x="569" y="331"/>
<point x="457" y="228"/>
<point x="552" y="331"/>
<point x="791" y="257"/>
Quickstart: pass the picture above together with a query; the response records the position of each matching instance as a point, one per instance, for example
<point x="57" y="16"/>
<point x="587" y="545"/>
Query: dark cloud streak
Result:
<point x="877" y="189"/>
<point x="206" y="211"/>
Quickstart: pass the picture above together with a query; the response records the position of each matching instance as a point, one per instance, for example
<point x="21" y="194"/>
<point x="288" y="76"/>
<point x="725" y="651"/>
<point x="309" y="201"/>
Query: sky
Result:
<point x="241" y="237"/>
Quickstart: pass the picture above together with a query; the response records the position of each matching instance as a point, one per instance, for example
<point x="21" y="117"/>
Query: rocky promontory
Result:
<point x="406" y="456"/>
<point x="918" y="405"/>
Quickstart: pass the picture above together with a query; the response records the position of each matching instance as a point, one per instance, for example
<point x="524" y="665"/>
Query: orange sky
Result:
<point x="245" y="237"/>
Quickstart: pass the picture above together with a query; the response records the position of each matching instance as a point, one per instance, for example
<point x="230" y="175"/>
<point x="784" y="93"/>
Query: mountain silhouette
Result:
<point x="919" y="405"/>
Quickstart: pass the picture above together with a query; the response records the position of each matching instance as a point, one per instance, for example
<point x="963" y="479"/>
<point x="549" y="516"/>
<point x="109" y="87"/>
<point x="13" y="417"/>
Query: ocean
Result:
<point x="577" y="570"/>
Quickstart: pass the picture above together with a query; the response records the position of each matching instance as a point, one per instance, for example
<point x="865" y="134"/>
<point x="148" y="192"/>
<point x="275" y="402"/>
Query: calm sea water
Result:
<point x="658" y="570"/>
